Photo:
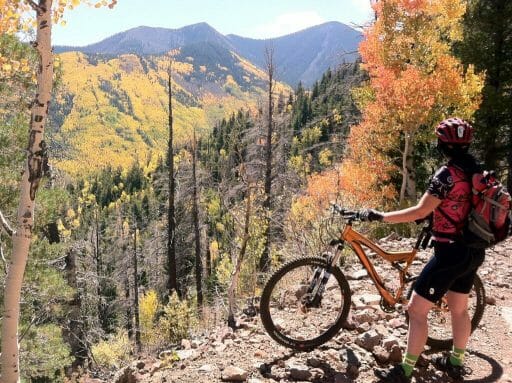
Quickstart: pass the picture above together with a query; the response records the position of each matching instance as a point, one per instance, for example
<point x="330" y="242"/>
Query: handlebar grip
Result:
<point x="345" y="213"/>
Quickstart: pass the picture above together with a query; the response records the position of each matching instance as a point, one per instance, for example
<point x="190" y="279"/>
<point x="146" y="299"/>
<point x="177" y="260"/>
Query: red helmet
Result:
<point x="454" y="131"/>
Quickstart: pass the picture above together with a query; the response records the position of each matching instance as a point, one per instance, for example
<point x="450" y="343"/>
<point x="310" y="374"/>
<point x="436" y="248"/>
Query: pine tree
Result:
<point x="487" y="45"/>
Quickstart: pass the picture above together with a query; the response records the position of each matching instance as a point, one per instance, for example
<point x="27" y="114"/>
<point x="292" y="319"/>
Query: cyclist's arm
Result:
<point x="425" y="206"/>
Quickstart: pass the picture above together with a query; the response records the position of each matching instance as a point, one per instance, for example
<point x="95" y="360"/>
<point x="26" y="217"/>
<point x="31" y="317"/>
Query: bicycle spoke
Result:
<point x="296" y="313"/>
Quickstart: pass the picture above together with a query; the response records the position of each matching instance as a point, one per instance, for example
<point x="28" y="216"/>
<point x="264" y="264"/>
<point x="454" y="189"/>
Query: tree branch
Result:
<point x="6" y="225"/>
<point x="2" y="257"/>
<point x="36" y="7"/>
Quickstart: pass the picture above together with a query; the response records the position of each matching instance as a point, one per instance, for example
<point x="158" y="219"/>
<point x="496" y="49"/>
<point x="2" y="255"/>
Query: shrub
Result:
<point x="114" y="351"/>
<point x="148" y="308"/>
<point x="178" y="319"/>
<point x="44" y="354"/>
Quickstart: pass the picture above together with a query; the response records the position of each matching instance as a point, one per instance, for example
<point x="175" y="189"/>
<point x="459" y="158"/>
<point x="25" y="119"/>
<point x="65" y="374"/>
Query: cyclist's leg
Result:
<point x="458" y="296"/>
<point x="417" y="309"/>
<point x="461" y="322"/>
<point x="453" y="363"/>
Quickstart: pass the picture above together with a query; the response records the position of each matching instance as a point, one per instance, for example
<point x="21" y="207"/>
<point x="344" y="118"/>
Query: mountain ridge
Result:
<point x="301" y="56"/>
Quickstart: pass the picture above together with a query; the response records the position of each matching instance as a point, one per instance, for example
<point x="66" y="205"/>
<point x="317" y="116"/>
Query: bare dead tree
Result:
<point x="267" y="203"/>
<point x="195" y="217"/>
<point x="98" y="258"/>
<point x="6" y="226"/>
<point x="172" y="283"/>
<point x="138" y="344"/>
<point x="235" y="275"/>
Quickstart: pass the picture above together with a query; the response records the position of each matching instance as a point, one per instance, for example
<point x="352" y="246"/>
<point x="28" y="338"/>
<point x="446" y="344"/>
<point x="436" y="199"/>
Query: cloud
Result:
<point x="287" y="23"/>
<point x="361" y="10"/>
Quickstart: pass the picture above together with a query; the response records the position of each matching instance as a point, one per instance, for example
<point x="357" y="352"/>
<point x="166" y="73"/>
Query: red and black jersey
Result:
<point x="451" y="185"/>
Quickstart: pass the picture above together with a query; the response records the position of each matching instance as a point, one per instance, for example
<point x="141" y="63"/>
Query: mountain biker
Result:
<point x="452" y="268"/>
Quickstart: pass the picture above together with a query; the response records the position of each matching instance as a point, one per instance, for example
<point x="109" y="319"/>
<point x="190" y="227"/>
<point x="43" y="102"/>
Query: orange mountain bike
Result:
<point x="306" y="302"/>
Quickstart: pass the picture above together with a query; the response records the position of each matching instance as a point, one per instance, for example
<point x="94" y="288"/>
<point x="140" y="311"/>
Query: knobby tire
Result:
<point x="265" y="305"/>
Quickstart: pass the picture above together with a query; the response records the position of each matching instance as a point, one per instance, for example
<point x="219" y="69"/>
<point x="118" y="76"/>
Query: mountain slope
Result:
<point x="301" y="56"/>
<point x="305" y="55"/>
<point x="112" y="110"/>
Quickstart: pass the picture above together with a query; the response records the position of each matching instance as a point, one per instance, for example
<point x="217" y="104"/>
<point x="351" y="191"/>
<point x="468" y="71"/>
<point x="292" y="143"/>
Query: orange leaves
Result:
<point x="414" y="79"/>
<point x="352" y="184"/>
<point x="407" y="97"/>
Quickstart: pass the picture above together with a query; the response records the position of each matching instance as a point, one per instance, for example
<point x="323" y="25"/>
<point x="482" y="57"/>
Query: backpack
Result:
<point x="489" y="220"/>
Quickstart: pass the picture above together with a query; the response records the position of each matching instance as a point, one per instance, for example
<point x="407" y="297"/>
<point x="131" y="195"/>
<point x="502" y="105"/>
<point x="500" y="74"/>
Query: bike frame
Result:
<point x="357" y="240"/>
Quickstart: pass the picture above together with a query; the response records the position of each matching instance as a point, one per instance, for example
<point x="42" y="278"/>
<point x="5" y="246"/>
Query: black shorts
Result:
<point x="453" y="267"/>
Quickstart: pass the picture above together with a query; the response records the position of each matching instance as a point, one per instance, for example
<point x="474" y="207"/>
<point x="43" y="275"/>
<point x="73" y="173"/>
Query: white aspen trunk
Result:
<point x="405" y="172"/>
<point x="30" y="181"/>
<point x="410" y="191"/>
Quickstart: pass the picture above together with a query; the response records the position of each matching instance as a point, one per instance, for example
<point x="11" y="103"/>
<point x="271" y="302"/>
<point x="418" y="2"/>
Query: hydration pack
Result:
<point x="489" y="220"/>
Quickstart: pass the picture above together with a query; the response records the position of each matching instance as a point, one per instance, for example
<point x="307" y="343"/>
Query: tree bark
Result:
<point x="410" y="192"/>
<point x="408" y="182"/>
<point x="172" y="283"/>
<point x="129" y="306"/>
<point x="208" y="261"/>
<point x="195" y="217"/>
<point x="31" y="177"/>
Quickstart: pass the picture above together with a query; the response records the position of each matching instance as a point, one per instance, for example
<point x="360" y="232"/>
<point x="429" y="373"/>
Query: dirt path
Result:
<point x="250" y="355"/>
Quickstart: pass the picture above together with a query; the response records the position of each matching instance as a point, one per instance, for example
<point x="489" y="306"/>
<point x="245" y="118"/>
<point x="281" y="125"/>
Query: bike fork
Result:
<point x="318" y="282"/>
<point x="317" y="287"/>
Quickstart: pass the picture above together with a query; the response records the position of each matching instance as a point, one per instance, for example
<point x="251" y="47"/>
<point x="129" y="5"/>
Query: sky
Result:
<point x="248" y="18"/>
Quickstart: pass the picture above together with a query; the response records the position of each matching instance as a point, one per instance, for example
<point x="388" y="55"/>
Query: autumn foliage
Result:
<point x="415" y="81"/>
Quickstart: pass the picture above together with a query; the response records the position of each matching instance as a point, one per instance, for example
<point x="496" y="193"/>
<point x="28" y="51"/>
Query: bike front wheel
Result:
<point x="305" y="303"/>
<point x="439" y="318"/>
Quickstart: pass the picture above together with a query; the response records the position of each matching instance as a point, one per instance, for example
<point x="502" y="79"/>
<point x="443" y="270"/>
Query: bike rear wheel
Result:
<point x="303" y="305"/>
<point x="439" y="319"/>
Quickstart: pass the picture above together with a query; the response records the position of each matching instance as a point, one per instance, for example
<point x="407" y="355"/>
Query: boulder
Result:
<point x="234" y="374"/>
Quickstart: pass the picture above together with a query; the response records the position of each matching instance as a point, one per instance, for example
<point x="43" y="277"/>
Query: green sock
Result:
<point x="457" y="356"/>
<point x="408" y="363"/>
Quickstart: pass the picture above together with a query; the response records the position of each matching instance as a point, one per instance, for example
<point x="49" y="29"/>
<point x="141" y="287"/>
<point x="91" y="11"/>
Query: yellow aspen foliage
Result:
<point x="178" y="319"/>
<point x="214" y="250"/>
<point x="148" y="308"/>
<point x="114" y="351"/>
<point x="325" y="157"/>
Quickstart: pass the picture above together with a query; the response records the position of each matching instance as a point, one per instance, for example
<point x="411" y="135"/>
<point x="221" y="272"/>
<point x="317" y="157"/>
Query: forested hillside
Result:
<point x="110" y="110"/>
<point x="107" y="229"/>
<point x="300" y="56"/>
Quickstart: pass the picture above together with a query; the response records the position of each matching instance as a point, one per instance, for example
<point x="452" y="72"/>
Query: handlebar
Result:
<point x="423" y="238"/>
<point x="351" y="215"/>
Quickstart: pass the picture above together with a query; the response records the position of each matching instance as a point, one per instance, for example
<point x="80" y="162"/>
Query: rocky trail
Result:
<point x="376" y="339"/>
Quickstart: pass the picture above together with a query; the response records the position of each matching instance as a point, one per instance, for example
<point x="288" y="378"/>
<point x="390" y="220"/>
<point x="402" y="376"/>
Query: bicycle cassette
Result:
<point x="386" y="307"/>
